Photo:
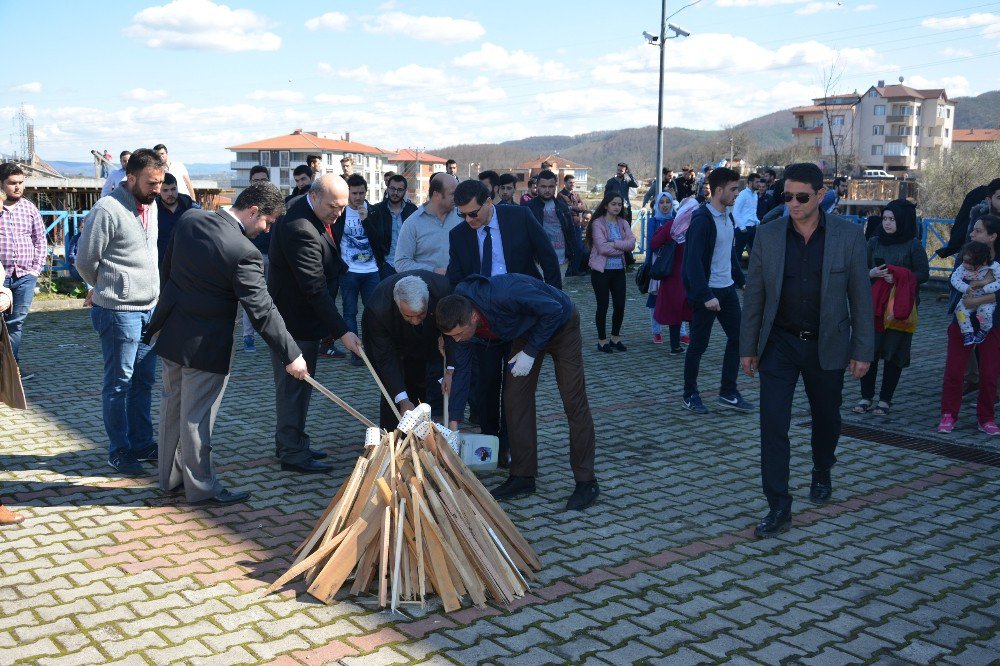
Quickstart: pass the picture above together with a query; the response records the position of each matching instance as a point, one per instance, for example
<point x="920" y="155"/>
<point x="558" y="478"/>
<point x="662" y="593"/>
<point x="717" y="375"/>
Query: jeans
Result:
<point x="701" y="329"/>
<point x="352" y="284"/>
<point x="655" y="325"/>
<point x="23" y="289"/>
<point x="609" y="285"/>
<point x="129" y="374"/>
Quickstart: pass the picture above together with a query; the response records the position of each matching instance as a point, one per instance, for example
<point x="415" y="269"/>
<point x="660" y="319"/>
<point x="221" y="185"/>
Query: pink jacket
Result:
<point x="602" y="247"/>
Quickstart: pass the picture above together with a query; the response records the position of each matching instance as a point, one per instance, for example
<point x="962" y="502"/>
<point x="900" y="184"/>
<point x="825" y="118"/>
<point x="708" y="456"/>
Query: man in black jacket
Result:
<point x="305" y="267"/>
<point x="622" y="182"/>
<point x="401" y="335"/>
<point x="170" y="205"/>
<point x="214" y="268"/>
<point x="711" y="275"/>
<point x="557" y="221"/>
<point x="384" y="221"/>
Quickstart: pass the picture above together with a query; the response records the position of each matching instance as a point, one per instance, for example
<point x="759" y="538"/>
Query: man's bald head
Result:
<point x="328" y="196"/>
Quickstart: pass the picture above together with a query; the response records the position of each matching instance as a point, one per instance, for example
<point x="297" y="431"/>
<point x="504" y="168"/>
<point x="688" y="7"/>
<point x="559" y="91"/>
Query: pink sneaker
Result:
<point x="990" y="428"/>
<point x="948" y="423"/>
<point x="657" y="339"/>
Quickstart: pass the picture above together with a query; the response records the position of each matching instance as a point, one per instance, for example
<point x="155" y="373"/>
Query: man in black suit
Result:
<point x="401" y="336"/>
<point x="305" y="267"/>
<point x="214" y="268"/>
<point x="496" y="240"/>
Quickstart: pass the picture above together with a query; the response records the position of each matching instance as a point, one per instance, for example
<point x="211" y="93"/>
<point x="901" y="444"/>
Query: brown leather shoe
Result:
<point x="8" y="517"/>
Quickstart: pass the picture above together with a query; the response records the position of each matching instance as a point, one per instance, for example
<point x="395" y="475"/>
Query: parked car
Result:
<point x="876" y="173"/>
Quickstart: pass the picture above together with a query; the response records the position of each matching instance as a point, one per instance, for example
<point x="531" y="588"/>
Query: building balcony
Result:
<point x="904" y="120"/>
<point x="897" y="160"/>
<point x="905" y="140"/>
<point x="243" y="164"/>
<point x="797" y="131"/>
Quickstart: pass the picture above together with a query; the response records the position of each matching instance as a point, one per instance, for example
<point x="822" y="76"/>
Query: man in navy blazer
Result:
<point x="495" y="240"/>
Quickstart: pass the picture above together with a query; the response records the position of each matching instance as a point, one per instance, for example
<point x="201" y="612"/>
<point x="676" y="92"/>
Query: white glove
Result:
<point x="521" y="364"/>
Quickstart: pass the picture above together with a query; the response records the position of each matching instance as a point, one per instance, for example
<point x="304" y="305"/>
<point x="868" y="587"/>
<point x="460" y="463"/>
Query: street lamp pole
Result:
<point x="658" y="176"/>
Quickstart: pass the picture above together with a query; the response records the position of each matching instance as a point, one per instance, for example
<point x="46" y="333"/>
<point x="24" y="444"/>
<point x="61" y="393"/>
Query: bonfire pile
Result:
<point x="412" y="519"/>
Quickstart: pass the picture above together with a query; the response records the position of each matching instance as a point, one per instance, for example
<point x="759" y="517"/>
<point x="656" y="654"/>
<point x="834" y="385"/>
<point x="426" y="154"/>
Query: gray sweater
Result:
<point x="118" y="256"/>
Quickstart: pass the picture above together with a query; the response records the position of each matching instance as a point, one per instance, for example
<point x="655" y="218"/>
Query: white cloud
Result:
<point x="428" y="28"/>
<point x="956" y="53"/>
<point x="289" y="96"/>
<point x="202" y="25"/>
<point x="491" y="58"/>
<point x="31" y="87"/>
<point x="817" y="7"/>
<point x="866" y="8"/>
<point x="990" y="23"/>
<point x="416" y="76"/>
<point x="144" y="95"/>
<point x="756" y="3"/>
<point x="337" y="100"/>
<point x="955" y="86"/>
<point x="329" y="21"/>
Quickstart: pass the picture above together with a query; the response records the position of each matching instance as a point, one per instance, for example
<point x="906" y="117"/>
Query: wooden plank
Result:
<point x="400" y="518"/>
<point x="470" y="578"/>
<point x="384" y="562"/>
<point x="343" y="561"/>
<point x="307" y="563"/>
<point x="329" y="394"/>
<point x="435" y="556"/>
<point x="419" y="542"/>
<point x="376" y="463"/>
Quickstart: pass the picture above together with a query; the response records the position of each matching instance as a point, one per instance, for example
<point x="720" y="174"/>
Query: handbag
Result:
<point x="663" y="264"/>
<point x="11" y="390"/>
<point x="642" y="278"/>
<point x="908" y="325"/>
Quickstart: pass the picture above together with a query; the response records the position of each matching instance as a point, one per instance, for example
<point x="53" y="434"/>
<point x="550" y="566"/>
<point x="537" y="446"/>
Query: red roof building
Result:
<point x="417" y="167"/>
<point x="975" y="137"/>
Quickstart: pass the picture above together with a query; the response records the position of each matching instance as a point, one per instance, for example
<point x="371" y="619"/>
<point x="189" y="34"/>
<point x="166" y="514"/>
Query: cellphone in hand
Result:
<point x="879" y="262"/>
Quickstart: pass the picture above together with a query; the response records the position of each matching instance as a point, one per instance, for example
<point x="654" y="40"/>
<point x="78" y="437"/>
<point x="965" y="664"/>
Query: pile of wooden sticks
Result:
<point x="412" y="519"/>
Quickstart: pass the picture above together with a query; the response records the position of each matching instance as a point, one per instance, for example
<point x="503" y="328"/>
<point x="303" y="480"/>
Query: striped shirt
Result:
<point x="22" y="239"/>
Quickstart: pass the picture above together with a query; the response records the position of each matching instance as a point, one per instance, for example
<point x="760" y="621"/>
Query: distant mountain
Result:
<point x="979" y="112"/>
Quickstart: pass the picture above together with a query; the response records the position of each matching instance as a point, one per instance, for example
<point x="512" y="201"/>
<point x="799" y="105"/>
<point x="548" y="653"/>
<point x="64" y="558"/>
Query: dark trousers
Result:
<point x="785" y="358"/>
<point x="291" y="404"/>
<point x="609" y="283"/>
<point x="890" y="380"/>
<point x="566" y="350"/>
<point x="700" y="332"/>
<point x="489" y="389"/>
<point x="744" y="240"/>
<point x="420" y="380"/>
<point x="675" y="335"/>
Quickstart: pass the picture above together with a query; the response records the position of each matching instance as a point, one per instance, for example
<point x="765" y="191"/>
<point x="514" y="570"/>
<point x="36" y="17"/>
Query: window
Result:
<point x="283" y="158"/>
<point x="818" y="142"/>
<point x="949" y="112"/>
<point x="876" y="150"/>
<point x="837" y="120"/>
<point x="880" y="109"/>
<point x="918" y="111"/>
<point x="947" y="133"/>
<point x="897" y="150"/>
<point x="903" y="130"/>
<point x="329" y="158"/>
<point x="265" y="158"/>
<point x="878" y="130"/>
<point x="873" y="93"/>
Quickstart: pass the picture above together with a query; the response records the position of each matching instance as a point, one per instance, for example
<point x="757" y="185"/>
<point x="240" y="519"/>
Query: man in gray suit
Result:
<point x="807" y="310"/>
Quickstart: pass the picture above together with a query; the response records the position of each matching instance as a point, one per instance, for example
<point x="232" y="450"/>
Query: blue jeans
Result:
<point x="129" y="374"/>
<point x="23" y="289"/>
<point x="352" y="284"/>
<point x="701" y="328"/>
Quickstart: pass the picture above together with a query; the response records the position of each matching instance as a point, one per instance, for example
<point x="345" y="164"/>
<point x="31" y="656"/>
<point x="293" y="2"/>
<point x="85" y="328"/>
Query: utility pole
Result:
<point x="658" y="176"/>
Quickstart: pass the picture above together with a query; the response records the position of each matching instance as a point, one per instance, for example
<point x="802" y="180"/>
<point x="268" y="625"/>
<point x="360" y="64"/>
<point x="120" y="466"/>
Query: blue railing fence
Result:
<point x="60" y="227"/>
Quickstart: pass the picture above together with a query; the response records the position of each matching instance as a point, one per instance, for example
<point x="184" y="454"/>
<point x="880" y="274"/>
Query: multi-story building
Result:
<point x="281" y="154"/>
<point x="562" y="167"/>
<point x="894" y="127"/>
<point x="417" y="167"/>
<point x="974" y="138"/>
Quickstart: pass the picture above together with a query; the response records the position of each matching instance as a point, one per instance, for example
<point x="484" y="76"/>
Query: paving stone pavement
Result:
<point x="902" y="567"/>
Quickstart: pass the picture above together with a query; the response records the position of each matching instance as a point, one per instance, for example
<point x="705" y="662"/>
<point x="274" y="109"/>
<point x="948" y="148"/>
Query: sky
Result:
<point x="200" y="75"/>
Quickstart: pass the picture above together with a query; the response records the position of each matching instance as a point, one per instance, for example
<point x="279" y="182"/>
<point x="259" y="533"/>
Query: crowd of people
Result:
<point x="463" y="297"/>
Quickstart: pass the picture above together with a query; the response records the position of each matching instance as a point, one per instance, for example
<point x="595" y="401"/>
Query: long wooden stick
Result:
<point x="445" y="396"/>
<point x="388" y="398"/>
<point x="350" y="410"/>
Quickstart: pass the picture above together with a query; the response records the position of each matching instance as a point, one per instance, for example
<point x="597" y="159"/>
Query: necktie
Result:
<point x="487" y="263"/>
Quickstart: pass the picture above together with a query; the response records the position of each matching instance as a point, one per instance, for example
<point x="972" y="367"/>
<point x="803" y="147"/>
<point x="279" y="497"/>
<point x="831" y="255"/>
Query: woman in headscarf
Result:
<point x="672" y="307"/>
<point x="663" y="212"/>
<point x="896" y="259"/>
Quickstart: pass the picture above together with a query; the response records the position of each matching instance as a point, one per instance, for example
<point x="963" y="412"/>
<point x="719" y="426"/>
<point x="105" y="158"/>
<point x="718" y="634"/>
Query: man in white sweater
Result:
<point x="117" y="254"/>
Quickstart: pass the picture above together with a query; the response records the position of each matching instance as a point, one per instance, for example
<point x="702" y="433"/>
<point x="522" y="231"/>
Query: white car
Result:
<point x="876" y="173"/>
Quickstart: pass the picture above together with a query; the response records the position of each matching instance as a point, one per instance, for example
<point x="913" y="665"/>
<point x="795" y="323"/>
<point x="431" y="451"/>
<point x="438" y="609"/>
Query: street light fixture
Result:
<point x="660" y="41"/>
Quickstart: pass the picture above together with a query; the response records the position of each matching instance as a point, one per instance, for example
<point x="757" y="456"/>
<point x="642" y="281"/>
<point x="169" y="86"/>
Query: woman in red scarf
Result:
<point x="896" y="258"/>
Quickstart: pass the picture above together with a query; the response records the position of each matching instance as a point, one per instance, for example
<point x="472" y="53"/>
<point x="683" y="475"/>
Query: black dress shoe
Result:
<point x="821" y="488"/>
<point x="308" y="467"/>
<point x="583" y="496"/>
<point x="514" y="486"/>
<point x="224" y="498"/>
<point x="774" y="523"/>
<point x="318" y="455"/>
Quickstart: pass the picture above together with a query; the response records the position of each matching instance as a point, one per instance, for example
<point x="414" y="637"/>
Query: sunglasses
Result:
<point x="801" y="197"/>
<point x="472" y="213"/>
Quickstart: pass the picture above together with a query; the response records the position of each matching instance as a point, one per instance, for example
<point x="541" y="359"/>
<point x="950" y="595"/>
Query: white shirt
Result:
<point x="745" y="209"/>
<point x="499" y="266"/>
<point x="180" y="172"/>
<point x="114" y="180"/>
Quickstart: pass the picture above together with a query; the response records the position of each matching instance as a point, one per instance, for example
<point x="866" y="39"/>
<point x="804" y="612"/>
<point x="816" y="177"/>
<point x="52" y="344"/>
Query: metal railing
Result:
<point x="60" y="228"/>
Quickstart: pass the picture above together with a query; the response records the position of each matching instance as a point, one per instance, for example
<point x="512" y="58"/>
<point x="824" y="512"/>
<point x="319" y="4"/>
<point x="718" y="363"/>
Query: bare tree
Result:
<point x="831" y="79"/>
<point x="944" y="180"/>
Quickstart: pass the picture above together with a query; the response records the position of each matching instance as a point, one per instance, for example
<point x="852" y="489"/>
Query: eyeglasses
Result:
<point x="801" y="197"/>
<point x="397" y="190"/>
<point x="258" y="180"/>
<point x="472" y="213"/>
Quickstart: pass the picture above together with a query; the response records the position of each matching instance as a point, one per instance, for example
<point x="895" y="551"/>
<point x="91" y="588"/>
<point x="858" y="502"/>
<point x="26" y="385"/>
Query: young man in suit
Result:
<point x="807" y="310"/>
<point x="495" y="240"/>
<point x="214" y="267"/>
<point x="305" y="268"/>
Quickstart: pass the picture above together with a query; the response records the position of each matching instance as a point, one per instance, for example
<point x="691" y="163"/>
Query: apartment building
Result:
<point x="417" y="167"/>
<point x="281" y="154"/>
<point x="894" y="127"/>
